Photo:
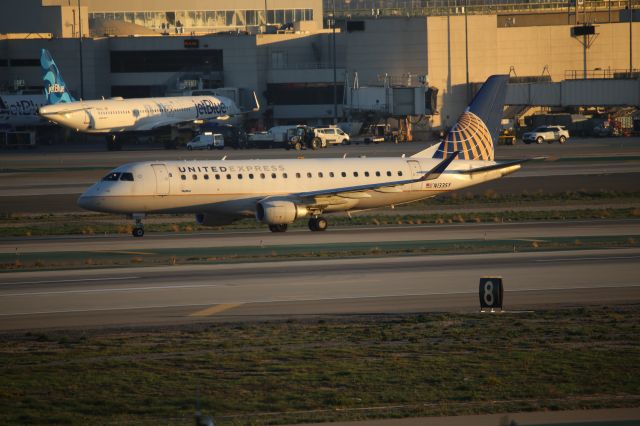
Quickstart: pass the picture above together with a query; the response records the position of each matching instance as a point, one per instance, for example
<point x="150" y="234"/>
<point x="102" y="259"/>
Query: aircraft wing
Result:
<point x="333" y="195"/>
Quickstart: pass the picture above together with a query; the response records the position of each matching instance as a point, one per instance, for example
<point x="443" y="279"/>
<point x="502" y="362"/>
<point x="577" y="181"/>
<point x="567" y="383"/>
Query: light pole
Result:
<point x="630" y="37"/>
<point x="335" y="79"/>
<point x="80" y="42"/>
<point x="466" y="51"/>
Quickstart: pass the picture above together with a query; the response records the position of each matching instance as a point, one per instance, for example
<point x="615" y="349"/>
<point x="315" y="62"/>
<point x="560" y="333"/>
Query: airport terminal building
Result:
<point x="288" y="52"/>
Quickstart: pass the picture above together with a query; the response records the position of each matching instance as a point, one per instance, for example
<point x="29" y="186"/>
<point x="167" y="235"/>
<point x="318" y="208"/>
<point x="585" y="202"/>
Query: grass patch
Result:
<point x="216" y="255"/>
<point x="94" y="225"/>
<point x="325" y="369"/>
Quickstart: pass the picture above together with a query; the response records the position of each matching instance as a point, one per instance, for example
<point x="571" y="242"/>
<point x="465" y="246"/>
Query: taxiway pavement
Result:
<point x="180" y="294"/>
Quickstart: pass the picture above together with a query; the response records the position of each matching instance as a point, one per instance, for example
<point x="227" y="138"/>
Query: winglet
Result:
<point x="440" y="167"/>
<point x="55" y="89"/>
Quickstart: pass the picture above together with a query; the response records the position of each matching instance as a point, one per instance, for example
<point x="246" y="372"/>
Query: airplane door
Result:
<point x="415" y="169"/>
<point x="162" y="179"/>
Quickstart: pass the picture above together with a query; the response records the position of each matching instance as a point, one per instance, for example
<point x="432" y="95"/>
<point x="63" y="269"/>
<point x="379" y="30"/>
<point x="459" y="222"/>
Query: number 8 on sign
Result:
<point x="488" y="293"/>
<point x="491" y="292"/>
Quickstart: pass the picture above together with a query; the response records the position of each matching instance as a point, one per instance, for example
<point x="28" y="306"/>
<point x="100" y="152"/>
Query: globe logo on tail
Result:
<point x="471" y="137"/>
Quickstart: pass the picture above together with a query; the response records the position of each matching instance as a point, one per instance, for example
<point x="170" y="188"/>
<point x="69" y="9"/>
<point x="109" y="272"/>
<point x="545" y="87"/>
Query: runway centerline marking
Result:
<point x="579" y="259"/>
<point x="216" y="309"/>
<point x="107" y="290"/>
<point x="72" y="281"/>
<point x="122" y="252"/>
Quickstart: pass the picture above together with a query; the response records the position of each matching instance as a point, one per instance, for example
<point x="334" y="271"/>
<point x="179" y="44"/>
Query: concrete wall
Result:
<point x="38" y="16"/>
<point x="396" y="46"/>
<point x="526" y="50"/>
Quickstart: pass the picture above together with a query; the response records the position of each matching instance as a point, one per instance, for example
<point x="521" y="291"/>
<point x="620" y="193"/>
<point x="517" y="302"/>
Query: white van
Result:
<point x="206" y="140"/>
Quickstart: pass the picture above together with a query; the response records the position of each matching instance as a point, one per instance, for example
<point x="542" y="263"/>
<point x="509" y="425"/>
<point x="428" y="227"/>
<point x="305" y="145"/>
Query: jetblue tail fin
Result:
<point x="55" y="89"/>
<point x="477" y="128"/>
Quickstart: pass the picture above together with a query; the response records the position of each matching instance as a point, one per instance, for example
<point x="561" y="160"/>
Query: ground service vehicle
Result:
<point x="234" y="137"/>
<point x="206" y="140"/>
<point x="277" y="136"/>
<point x="303" y="137"/>
<point x="546" y="134"/>
<point x="377" y="133"/>
<point x="332" y="136"/>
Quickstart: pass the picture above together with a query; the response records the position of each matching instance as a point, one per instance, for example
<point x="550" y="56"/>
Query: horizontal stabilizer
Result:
<point x="496" y="166"/>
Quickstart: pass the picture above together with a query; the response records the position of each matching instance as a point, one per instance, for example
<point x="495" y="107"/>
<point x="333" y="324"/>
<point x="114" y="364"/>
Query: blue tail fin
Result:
<point x="477" y="128"/>
<point x="55" y="90"/>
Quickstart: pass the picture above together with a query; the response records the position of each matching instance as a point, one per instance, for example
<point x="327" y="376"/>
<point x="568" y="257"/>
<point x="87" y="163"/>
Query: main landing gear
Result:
<point x="318" y="223"/>
<point x="138" y="229"/>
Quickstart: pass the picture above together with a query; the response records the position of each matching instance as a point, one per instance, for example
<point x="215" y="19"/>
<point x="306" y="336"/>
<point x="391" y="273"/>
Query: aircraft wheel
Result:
<point x="137" y="232"/>
<point x="318" y="224"/>
<point x="280" y="227"/>
<point x="315" y="143"/>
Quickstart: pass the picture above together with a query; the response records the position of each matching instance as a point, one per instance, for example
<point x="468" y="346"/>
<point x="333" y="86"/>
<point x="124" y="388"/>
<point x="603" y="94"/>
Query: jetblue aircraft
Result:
<point x="117" y="115"/>
<point x="21" y="110"/>
<point x="278" y="192"/>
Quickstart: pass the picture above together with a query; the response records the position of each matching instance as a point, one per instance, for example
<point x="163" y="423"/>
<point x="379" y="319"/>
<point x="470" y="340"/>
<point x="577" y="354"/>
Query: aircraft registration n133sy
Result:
<point x="278" y="192"/>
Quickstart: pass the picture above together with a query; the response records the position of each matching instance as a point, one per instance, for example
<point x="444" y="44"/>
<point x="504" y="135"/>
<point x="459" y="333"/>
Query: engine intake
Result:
<point x="277" y="212"/>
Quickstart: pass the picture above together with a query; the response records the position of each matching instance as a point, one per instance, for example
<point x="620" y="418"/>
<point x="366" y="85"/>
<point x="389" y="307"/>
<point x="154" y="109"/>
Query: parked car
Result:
<point x="546" y="134"/>
<point x="206" y="141"/>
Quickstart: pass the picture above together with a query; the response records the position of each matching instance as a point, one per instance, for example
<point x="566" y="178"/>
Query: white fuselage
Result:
<point x="143" y="114"/>
<point x="232" y="188"/>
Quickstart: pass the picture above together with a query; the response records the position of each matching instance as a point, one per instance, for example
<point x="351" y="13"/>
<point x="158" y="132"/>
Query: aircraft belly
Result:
<point x="386" y="199"/>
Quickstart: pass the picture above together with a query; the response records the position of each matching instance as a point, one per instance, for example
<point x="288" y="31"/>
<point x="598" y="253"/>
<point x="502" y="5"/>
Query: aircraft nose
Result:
<point x="89" y="202"/>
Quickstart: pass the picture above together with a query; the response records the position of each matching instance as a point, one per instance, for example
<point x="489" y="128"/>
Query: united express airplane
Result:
<point x="116" y="115"/>
<point x="278" y="192"/>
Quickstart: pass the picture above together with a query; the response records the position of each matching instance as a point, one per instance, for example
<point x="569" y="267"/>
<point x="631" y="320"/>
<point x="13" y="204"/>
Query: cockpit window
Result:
<point x="127" y="177"/>
<point x="112" y="176"/>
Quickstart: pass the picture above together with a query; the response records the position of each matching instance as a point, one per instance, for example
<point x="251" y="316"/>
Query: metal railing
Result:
<point x="378" y="8"/>
<point x="622" y="74"/>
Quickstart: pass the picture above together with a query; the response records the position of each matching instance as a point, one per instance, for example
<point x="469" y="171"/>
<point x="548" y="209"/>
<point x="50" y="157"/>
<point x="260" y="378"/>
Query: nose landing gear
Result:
<point x="138" y="229"/>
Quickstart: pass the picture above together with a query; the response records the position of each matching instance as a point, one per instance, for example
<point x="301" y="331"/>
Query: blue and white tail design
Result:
<point x="55" y="89"/>
<point x="477" y="128"/>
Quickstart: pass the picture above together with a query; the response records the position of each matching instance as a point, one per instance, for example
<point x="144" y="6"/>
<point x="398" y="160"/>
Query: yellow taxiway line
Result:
<point x="216" y="309"/>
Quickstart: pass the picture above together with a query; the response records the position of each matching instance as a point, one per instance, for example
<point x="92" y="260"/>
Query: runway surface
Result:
<point x="249" y="291"/>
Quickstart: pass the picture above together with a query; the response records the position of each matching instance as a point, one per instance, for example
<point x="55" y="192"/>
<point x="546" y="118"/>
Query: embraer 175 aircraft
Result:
<point x="116" y="115"/>
<point x="277" y="192"/>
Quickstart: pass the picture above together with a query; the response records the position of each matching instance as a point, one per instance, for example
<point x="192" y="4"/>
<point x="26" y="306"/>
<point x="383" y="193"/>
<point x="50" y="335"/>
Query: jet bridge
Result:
<point x="576" y="93"/>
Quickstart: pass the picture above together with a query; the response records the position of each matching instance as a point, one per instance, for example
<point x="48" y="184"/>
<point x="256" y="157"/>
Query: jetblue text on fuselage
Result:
<point x="206" y="107"/>
<point x="23" y="107"/>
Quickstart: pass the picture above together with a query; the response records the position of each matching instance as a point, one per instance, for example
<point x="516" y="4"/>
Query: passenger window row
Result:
<point x="240" y="176"/>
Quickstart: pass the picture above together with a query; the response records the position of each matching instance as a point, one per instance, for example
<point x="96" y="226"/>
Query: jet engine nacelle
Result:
<point x="210" y="219"/>
<point x="277" y="212"/>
